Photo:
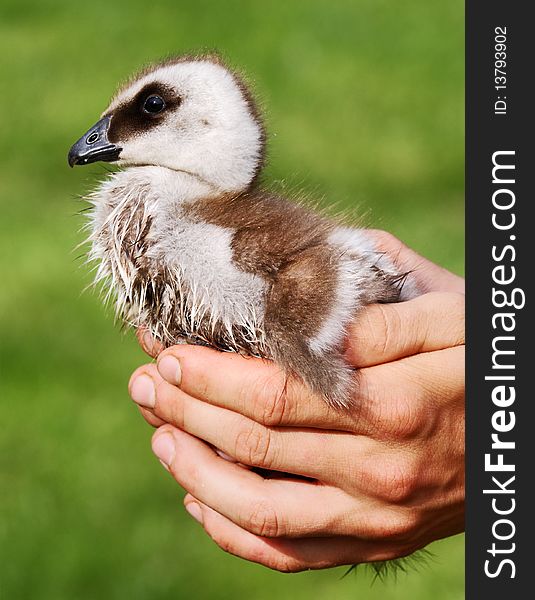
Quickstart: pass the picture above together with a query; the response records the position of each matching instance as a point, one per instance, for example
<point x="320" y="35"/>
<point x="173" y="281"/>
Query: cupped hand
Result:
<point x="375" y="482"/>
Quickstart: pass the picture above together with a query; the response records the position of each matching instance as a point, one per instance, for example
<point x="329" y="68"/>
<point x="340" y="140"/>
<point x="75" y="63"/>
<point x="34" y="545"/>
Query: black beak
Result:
<point x="94" y="145"/>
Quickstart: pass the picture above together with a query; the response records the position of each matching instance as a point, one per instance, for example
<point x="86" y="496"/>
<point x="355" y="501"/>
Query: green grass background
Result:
<point x="365" y="109"/>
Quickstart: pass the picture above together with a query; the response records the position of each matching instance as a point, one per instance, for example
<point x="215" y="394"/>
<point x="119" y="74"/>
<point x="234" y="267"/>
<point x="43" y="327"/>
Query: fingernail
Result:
<point x="169" y="368"/>
<point x="148" y="341"/>
<point x="164" y="448"/>
<point x="195" y="511"/>
<point x="142" y="391"/>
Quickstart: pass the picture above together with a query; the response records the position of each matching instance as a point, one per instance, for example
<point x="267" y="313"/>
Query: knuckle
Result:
<point x="271" y="402"/>
<point x="224" y="543"/>
<point x="374" y="324"/>
<point x="391" y="326"/>
<point x="405" y="419"/>
<point x="254" y="445"/>
<point x="380" y="328"/>
<point x="398" y="481"/>
<point x="287" y="564"/>
<point x="272" y="559"/>
<point x="263" y="520"/>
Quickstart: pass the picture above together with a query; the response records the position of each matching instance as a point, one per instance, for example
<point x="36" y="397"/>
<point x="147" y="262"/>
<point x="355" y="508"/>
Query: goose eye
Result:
<point x="153" y="105"/>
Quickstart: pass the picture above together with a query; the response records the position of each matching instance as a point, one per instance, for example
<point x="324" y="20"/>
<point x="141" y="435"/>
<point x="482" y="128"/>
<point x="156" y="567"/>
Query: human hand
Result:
<point x="384" y="478"/>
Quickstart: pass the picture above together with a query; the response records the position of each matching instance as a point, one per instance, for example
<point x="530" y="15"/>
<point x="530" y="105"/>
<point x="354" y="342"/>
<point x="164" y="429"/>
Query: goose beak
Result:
<point x="94" y="145"/>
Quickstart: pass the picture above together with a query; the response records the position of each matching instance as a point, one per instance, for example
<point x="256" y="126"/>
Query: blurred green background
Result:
<point x="365" y="109"/>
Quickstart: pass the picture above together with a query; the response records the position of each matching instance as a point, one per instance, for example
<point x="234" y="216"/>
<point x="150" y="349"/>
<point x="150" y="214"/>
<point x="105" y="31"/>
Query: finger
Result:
<point x="265" y="507"/>
<point x="289" y="555"/>
<point x="428" y="276"/>
<point x="402" y="401"/>
<point x="360" y="465"/>
<point x="148" y="343"/>
<point x="150" y="417"/>
<point x="256" y="388"/>
<point x="393" y="402"/>
<point x="386" y="332"/>
<point x="282" y="449"/>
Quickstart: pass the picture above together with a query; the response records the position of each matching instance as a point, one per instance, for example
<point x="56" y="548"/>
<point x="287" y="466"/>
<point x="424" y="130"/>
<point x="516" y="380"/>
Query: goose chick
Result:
<point x="194" y="249"/>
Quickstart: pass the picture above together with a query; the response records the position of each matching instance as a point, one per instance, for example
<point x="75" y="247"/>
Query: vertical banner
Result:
<point x="500" y="236"/>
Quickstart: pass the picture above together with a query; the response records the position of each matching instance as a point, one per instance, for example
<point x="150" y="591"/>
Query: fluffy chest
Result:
<point x="201" y="258"/>
<point x="171" y="273"/>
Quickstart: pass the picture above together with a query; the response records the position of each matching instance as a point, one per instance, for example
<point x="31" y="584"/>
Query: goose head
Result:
<point x="191" y="115"/>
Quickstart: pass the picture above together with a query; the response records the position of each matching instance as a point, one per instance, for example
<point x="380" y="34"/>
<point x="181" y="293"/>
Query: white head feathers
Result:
<point x="208" y="126"/>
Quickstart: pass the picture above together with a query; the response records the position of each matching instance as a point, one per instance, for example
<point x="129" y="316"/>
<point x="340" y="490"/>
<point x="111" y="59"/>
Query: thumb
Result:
<point x="387" y="332"/>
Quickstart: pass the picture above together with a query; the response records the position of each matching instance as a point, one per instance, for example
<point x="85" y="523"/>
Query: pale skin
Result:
<point x="384" y="478"/>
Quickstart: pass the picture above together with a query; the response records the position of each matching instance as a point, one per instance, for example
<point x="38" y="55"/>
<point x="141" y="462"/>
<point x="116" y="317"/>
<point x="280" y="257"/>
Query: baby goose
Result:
<point x="196" y="251"/>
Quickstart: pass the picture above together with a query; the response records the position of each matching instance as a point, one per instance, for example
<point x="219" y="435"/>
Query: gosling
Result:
<point x="193" y="248"/>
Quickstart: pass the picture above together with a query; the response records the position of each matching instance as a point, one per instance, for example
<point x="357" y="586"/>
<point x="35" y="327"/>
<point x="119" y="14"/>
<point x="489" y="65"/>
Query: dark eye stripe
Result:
<point x="130" y="119"/>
